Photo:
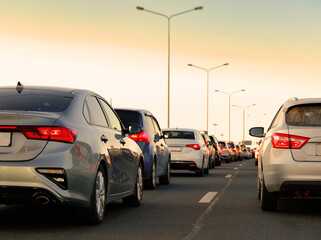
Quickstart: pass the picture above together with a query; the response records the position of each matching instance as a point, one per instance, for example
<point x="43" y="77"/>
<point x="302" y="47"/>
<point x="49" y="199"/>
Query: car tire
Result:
<point x="97" y="207"/>
<point x="200" y="171"/>
<point x="268" y="200"/>
<point x="150" y="183"/>
<point x="136" y="199"/>
<point x="258" y="188"/>
<point x="206" y="170"/>
<point x="166" y="178"/>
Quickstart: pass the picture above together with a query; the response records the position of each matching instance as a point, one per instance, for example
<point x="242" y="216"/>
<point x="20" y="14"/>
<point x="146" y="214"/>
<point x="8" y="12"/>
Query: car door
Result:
<point x="110" y="143"/>
<point x="129" y="156"/>
<point x="163" y="152"/>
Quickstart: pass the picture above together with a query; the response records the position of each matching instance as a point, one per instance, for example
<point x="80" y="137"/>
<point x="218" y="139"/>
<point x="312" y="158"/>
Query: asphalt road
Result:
<point x="175" y="212"/>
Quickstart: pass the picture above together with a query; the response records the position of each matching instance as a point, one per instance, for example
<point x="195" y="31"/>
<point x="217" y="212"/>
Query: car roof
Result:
<point x="179" y="129"/>
<point x="297" y="101"/>
<point x="142" y="111"/>
<point x="45" y="89"/>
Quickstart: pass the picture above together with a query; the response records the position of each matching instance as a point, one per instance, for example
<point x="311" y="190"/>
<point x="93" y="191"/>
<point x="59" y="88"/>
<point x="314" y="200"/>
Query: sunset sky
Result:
<point x="272" y="47"/>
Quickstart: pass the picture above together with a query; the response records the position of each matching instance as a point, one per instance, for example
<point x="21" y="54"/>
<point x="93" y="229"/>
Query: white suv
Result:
<point x="289" y="159"/>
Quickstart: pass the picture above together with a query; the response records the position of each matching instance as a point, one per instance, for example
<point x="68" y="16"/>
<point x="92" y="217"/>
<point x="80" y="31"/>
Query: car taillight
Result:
<point x="140" y="137"/>
<point x="240" y="151"/>
<point x="206" y="143"/>
<point x="194" y="146"/>
<point x="287" y="141"/>
<point x="61" y="134"/>
<point x="234" y="149"/>
<point x="224" y="149"/>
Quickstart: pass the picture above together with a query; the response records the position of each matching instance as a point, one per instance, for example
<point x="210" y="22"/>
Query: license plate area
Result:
<point x="5" y="139"/>
<point x="175" y="149"/>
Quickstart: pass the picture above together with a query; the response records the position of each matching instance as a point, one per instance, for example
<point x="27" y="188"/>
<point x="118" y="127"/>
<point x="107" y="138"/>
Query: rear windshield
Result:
<point x="222" y="144"/>
<point x="40" y="103"/>
<point x="231" y="145"/>
<point x="179" y="134"/>
<point x="128" y="117"/>
<point x="304" y="115"/>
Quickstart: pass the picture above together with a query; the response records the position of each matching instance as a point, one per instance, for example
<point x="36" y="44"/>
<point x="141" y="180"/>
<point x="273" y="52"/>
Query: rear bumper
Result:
<point x="183" y="165"/>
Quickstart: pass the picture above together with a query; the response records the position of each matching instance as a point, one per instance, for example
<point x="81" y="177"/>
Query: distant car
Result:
<point x="218" y="156"/>
<point x="289" y="160"/>
<point x="226" y="153"/>
<point x="188" y="150"/>
<point x="239" y="152"/>
<point x="234" y="153"/>
<point x="152" y="143"/>
<point x="249" y="150"/>
<point x="211" y="149"/>
<point x="66" y="146"/>
<point x="244" y="152"/>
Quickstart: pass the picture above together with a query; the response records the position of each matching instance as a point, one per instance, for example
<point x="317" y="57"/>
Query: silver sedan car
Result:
<point x="289" y="160"/>
<point x="66" y="146"/>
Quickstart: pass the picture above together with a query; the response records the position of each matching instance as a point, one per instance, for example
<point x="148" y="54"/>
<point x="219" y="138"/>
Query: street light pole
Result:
<point x="168" y="48"/>
<point x="244" y="117"/>
<point x="229" y="109"/>
<point x="208" y="75"/>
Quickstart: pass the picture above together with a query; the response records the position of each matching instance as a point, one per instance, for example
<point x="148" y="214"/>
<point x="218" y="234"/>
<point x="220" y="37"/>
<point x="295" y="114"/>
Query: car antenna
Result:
<point x="19" y="87"/>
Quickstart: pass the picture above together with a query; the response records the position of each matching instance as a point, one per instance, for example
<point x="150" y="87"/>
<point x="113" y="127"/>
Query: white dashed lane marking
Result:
<point x="208" y="197"/>
<point x="228" y="176"/>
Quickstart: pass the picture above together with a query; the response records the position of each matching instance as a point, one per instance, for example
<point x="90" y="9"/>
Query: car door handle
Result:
<point x="104" y="138"/>
<point x="162" y="145"/>
<point x="122" y="141"/>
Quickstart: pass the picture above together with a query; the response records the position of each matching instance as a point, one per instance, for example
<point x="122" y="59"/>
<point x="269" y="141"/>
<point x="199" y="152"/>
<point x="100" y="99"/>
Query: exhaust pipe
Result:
<point x="41" y="198"/>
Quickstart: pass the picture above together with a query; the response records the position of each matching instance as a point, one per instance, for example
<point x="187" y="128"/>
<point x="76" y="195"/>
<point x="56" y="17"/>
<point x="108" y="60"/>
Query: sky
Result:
<point x="272" y="47"/>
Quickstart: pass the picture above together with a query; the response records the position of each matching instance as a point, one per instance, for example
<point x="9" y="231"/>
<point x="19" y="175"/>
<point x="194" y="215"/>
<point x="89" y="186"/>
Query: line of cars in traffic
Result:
<point x="69" y="146"/>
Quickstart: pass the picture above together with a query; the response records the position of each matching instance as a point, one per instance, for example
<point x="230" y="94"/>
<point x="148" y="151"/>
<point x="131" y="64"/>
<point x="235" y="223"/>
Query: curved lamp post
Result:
<point x="168" y="71"/>
<point x="229" y="109"/>
<point x="244" y="117"/>
<point x="208" y="73"/>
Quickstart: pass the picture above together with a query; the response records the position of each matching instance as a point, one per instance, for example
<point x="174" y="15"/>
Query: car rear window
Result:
<point x="179" y="134"/>
<point x="304" y="115"/>
<point x="35" y="102"/>
<point x="128" y="117"/>
<point x="222" y="144"/>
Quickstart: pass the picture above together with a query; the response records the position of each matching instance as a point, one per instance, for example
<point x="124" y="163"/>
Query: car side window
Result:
<point x="86" y="113"/>
<point x="96" y="113"/>
<point x="113" y="119"/>
<point x="156" y="126"/>
<point x="276" y="118"/>
<point x="151" y="124"/>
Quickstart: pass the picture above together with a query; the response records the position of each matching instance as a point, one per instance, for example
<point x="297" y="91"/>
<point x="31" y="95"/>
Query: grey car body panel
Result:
<point x="80" y="159"/>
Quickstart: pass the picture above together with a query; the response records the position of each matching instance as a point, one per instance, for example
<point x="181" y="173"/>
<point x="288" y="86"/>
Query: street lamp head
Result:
<point x="190" y="65"/>
<point x="198" y="8"/>
<point x="225" y="64"/>
<point x="216" y="90"/>
<point x="139" y="8"/>
<point x="243" y="90"/>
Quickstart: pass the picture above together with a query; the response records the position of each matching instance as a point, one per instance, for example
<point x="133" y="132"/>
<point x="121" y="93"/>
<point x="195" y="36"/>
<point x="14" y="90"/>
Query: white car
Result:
<point x="289" y="160"/>
<point x="188" y="150"/>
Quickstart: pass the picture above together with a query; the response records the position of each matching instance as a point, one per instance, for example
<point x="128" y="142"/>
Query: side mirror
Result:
<point x="134" y="128"/>
<point x="257" y="132"/>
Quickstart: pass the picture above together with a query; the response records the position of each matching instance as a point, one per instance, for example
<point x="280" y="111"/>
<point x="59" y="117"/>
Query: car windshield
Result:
<point x="34" y="102"/>
<point x="128" y="117"/>
<point x="304" y="115"/>
<point x="179" y="134"/>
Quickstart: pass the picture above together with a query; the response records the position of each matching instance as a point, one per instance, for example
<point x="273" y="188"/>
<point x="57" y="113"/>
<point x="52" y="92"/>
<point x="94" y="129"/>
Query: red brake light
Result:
<point x="194" y="146"/>
<point x="61" y="134"/>
<point x="287" y="141"/>
<point x="234" y="149"/>
<point x="240" y="151"/>
<point x="224" y="149"/>
<point x="140" y="137"/>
